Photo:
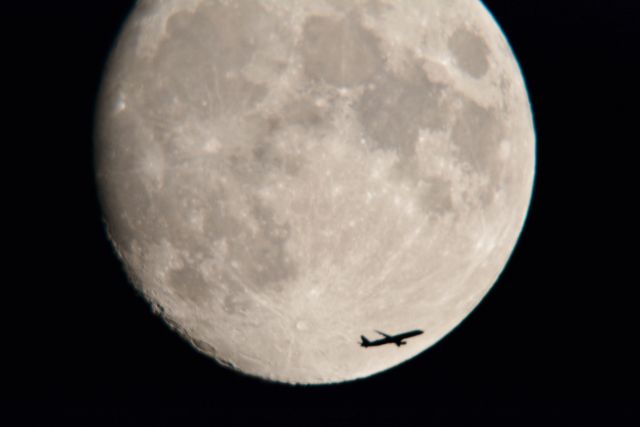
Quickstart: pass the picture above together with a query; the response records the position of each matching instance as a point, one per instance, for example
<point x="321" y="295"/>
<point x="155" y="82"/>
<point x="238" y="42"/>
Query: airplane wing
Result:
<point x="384" y="335"/>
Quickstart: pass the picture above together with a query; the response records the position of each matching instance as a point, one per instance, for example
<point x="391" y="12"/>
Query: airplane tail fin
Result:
<point x="365" y="342"/>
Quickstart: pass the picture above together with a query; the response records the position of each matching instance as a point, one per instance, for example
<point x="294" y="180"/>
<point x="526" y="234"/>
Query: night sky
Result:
<point x="551" y="343"/>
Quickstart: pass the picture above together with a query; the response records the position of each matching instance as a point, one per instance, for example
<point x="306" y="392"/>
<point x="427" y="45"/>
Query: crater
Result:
<point x="470" y="52"/>
<point x="340" y="52"/>
<point x="301" y="325"/>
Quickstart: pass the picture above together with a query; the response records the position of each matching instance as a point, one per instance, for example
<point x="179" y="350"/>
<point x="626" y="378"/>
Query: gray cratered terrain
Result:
<point x="280" y="177"/>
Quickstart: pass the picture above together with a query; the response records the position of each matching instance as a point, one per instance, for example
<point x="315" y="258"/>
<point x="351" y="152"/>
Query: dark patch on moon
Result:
<point x="340" y="52"/>
<point x="222" y="33"/>
<point x="250" y="161"/>
<point x="272" y="158"/>
<point x="303" y="113"/>
<point x="435" y="196"/>
<point x="393" y="112"/>
<point x="477" y="134"/>
<point x="377" y="8"/>
<point x="199" y="61"/>
<point x="470" y="52"/>
<point x="269" y="151"/>
<point x="188" y="283"/>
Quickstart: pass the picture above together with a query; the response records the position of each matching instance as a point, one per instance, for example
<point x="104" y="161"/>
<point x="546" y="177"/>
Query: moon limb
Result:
<point x="273" y="206"/>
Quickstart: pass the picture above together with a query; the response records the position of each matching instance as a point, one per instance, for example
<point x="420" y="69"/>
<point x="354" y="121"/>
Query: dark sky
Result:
<point x="551" y="344"/>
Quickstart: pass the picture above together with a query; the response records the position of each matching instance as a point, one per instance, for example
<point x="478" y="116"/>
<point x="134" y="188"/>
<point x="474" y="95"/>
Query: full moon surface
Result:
<point x="280" y="177"/>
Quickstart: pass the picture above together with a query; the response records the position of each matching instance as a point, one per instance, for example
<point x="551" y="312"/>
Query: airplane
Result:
<point x="398" y="340"/>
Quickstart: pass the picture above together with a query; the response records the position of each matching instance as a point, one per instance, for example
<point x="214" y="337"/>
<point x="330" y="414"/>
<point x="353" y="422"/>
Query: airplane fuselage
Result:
<point x="398" y="340"/>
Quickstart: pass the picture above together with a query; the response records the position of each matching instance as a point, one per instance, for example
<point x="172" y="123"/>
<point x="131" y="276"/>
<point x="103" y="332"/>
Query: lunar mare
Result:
<point x="280" y="177"/>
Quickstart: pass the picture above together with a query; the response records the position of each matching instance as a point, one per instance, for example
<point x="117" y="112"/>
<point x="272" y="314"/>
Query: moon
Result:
<point x="280" y="177"/>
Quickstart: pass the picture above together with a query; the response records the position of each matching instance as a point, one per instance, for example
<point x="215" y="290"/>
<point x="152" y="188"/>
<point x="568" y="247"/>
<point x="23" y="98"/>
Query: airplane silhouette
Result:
<point x="389" y="339"/>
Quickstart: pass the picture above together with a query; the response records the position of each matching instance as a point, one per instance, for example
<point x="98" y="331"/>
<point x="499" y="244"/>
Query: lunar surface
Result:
<point x="280" y="177"/>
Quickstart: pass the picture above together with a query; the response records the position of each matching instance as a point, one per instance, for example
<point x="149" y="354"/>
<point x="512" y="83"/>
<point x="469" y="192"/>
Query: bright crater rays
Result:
<point x="280" y="177"/>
